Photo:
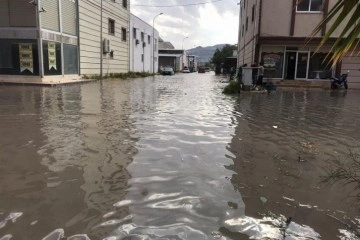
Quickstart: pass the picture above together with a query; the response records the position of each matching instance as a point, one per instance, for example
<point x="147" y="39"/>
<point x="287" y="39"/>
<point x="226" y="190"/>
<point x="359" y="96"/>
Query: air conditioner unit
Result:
<point x="106" y="45"/>
<point x="144" y="44"/>
<point x="137" y="41"/>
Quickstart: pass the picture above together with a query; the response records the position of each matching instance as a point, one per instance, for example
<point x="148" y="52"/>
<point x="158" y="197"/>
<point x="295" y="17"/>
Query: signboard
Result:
<point x="26" y="57"/>
<point x="270" y="60"/>
<point x="52" y="55"/>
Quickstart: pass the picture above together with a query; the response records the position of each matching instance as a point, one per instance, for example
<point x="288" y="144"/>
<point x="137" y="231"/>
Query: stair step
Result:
<point x="301" y="86"/>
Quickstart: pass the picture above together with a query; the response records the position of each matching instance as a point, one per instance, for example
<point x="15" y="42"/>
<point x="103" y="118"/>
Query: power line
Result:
<point x="170" y="6"/>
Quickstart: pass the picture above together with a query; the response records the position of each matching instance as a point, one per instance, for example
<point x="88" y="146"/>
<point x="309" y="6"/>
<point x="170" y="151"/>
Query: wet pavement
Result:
<point x="173" y="158"/>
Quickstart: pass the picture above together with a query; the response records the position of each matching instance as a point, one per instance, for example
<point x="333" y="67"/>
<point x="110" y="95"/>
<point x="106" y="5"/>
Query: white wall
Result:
<point x="89" y="35"/>
<point x="143" y="47"/>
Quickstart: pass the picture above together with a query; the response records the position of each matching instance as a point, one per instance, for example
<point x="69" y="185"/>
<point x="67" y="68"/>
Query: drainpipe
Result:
<point x="101" y="40"/>
<point x="39" y="39"/>
<point x="132" y="48"/>
<point x="247" y="5"/>
<point x="239" y="36"/>
<point x="78" y="36"/>
<point x="128" y="5"/>
<point x="61" y="42"/>
<point x="254" y="28"/>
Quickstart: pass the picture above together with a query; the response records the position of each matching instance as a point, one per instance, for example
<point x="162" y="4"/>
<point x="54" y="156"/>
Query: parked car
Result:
<point x="207" y="69"/>
<point x="201" y="70"/>
<point x="186" y="70"/>
<point x="167" y="71"/>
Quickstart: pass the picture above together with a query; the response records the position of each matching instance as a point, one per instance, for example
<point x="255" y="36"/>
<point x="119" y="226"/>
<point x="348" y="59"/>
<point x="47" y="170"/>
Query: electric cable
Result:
<point x="181" y="5"/>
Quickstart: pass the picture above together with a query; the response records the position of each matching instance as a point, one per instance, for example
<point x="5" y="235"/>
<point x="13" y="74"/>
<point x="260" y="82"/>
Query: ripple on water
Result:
<point x="173" y="158"/>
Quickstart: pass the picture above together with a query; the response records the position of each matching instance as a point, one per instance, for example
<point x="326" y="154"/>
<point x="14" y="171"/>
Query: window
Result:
<point x="253" y="13"/>
<point x="149" y="39"/>
<point x="318" y="67"/>
<point x="273" y="64"/>
<point x="124" y="3"/>
<point x="111" y="26"/>
<point x="247" y="23"/>
<point x="134" y="33"/>
<point x="142" y="36"/>
<point x="123" y="34"/>
<point x="309" y="5"/>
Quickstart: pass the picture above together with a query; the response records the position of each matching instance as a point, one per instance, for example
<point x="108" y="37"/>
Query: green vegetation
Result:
<point x="220" y="55"/>
<point x="345" y="15"/>
<point x="232" y="88"/>
<point x="119" y="75"/>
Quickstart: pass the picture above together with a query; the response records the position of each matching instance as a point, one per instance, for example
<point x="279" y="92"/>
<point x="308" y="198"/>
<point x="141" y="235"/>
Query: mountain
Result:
<point x="204" y="53"/>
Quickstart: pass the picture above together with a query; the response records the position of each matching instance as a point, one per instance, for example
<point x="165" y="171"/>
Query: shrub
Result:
<point x="232" y="87"/>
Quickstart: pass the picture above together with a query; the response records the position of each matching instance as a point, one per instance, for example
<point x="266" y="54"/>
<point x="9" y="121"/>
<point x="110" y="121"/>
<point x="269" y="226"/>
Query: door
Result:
<point x="290" y="65"/>
<point x="302" y="65"/>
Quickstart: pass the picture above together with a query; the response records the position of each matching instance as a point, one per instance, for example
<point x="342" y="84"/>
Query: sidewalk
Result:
<point x="46" y="81"/>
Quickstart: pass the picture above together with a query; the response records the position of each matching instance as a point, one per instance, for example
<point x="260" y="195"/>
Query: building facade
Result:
<point x="115" y="44"/>
<point x="49" y="40"/>
<point x="144" y="42"/>
<point x="275" y="33"/>
<point x="174" y="58"/>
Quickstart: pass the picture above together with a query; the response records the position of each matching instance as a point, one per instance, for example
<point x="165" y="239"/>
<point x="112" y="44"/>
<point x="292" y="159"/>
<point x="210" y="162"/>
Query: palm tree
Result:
<point x="345" y="14"/>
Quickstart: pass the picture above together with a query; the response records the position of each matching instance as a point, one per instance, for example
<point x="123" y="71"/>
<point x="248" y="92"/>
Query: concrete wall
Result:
<point x="275" y="18"/>
<point x="248" y="35"/>
<point x="142" y="47"/>
<point x="247" y="55"/>
<point x="89" y="25"/>
<point x="305" y="24"/>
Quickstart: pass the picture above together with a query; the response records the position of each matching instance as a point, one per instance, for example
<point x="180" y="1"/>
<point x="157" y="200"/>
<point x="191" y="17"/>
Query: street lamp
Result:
<point x="183" y="51"/>
<point x="153" y="52"/>
<point x="183" y="42"/>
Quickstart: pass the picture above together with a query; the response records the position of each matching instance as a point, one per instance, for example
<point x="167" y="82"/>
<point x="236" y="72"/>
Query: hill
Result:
<point x="204" y="53"/>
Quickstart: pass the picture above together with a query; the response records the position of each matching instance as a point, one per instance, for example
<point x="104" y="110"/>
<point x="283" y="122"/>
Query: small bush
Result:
<point x="232" y="87"/>
<point x="119" y="75"/>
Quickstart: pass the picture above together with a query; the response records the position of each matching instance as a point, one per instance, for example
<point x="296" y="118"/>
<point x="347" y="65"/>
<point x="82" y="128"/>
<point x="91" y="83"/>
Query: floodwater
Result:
<point x="173" y="158"/>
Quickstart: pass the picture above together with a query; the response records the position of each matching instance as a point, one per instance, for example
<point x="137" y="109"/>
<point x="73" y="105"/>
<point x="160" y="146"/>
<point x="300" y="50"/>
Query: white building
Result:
<point x="143" y="46"/>
<point x="115" y="37"/>
<point x="55" y="40"/>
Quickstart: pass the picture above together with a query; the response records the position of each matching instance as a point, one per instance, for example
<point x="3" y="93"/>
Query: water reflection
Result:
<point x="171" y="158"/>
<point x="281" y="144"/>
<point x="79" y="141"/>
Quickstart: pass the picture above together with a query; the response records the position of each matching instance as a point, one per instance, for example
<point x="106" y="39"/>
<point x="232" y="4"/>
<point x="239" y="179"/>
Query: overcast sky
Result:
<point x="203" y="24"/>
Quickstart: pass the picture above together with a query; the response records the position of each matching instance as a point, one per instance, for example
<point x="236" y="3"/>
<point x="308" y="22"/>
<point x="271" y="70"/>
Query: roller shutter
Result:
<point x="50" y="18"/>
<point x="69" y="16"/>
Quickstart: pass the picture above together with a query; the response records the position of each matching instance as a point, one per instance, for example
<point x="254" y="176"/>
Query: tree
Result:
<point x="345" y="15"/>
<point x="220" y="55"/>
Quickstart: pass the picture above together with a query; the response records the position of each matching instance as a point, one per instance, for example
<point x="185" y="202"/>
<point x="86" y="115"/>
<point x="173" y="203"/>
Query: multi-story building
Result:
<point x="115" y="44"/>
<point x="143" y="46"/>
<point x="53" y="40"/>
<point x="275" y="33"/>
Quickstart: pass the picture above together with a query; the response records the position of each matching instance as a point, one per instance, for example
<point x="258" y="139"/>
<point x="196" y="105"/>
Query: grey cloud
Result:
<point x="175" y="31"/>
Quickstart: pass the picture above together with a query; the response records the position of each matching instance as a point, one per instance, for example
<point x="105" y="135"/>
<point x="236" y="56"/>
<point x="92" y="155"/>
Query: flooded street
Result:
<point x="171" y="157"/>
